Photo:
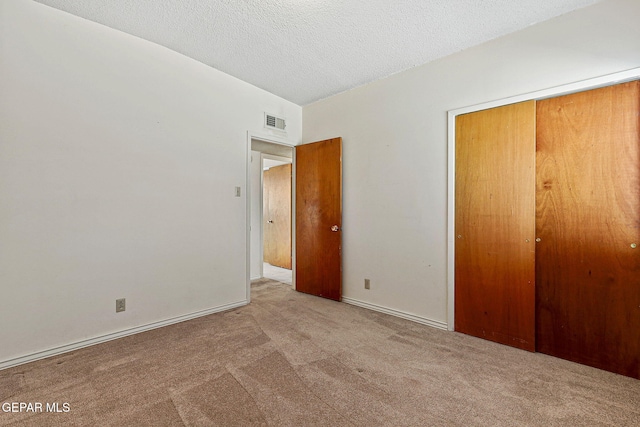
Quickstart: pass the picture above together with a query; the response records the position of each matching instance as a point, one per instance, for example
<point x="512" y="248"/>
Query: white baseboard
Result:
<point x="418" y="319"/>
<point x="114" y="335"/>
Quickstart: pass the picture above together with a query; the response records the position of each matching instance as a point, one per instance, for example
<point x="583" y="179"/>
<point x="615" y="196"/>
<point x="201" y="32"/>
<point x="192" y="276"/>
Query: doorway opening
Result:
<point x="271" y="211"/>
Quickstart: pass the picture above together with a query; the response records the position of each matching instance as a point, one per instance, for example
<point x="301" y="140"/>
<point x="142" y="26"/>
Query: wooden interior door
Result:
<point x="277" y="216"/>
<point x="495" y="225"/>
<point x="319" y="218"/>
<point x="588" y="217"/>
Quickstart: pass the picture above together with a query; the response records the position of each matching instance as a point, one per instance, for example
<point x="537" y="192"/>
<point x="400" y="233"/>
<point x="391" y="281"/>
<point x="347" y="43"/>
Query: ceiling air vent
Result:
<point x="273" y="122"/>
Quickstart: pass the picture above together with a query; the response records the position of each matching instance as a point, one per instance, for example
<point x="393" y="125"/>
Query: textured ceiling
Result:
<point x="305" y="50"/>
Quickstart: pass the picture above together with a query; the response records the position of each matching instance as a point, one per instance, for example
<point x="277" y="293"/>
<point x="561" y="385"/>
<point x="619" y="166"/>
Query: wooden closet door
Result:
<point x="495" y="225"/>
<point x="277" y="216"/>
<point x="588" y="223"/>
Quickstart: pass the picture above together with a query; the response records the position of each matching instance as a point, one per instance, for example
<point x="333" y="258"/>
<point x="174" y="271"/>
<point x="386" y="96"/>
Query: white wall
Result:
<point x="118" y="164"/>
<point x="395" y="145"/>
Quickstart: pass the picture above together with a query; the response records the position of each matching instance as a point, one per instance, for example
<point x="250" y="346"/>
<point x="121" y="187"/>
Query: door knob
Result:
<point x="270" y="221"/>
<point x="335" y="228"/>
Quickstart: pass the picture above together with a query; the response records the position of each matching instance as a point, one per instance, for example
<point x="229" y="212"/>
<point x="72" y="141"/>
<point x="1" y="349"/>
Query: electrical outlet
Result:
<point x="120" y="305"/>
<point x="238" y="190"/>
<point x="367" y="284"/>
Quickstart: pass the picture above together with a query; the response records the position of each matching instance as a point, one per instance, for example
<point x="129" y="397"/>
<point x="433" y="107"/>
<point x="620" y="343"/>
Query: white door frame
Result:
<point x="594" y="83"/>
<point x="271" y="140"/>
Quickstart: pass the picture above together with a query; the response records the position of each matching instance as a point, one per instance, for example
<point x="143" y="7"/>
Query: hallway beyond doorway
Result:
<point x="276" y="273"/>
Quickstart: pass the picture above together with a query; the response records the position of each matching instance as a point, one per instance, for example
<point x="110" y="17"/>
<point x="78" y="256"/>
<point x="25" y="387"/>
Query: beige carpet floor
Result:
<point x="290" y="359"/>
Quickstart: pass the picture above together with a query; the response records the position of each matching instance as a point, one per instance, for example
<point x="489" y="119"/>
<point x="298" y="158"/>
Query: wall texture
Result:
<point x="395" y="145"/>
<point x="118" y="165"/>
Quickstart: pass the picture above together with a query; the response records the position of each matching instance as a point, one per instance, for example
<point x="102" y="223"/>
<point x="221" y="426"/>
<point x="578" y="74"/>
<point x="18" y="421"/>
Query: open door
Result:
<point x="319" y="218"/>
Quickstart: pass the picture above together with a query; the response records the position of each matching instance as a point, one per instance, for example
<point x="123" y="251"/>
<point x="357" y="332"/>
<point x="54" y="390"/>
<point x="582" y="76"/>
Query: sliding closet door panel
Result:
<point x="588" y="223"/>
<point x="495" y="225"/>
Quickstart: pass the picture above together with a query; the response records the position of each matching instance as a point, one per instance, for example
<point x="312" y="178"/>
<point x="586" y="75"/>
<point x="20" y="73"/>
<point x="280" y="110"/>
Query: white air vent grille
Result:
<point x="274" y="122"/>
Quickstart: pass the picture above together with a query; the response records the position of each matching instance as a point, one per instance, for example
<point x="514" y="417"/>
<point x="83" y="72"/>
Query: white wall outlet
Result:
<point x="120" y="305"/>
<point x="367" y="284"/>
